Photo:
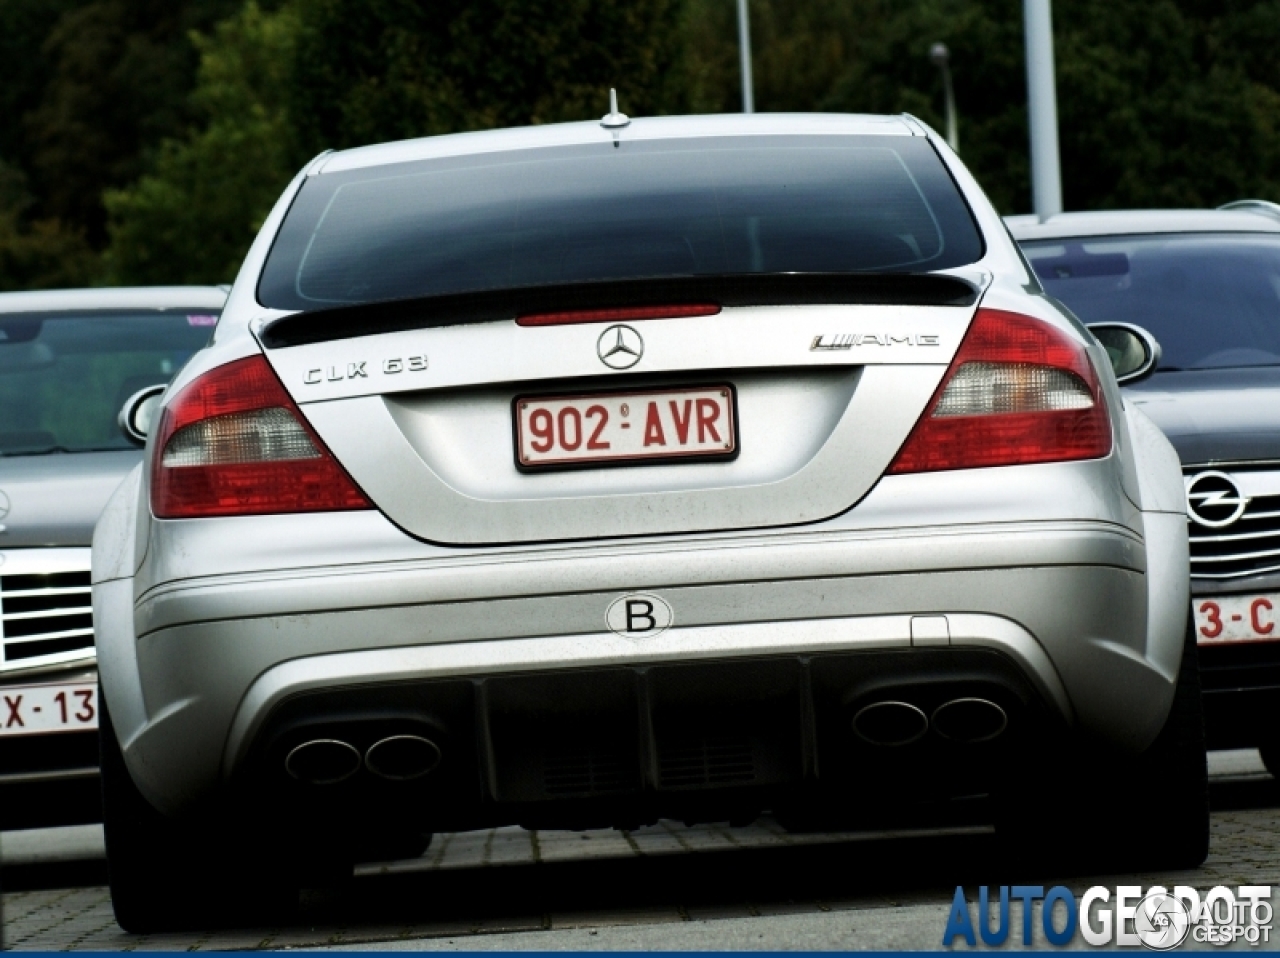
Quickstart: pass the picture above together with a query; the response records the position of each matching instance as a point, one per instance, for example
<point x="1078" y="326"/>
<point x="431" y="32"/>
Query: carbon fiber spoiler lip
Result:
<point x="752" y="289"/>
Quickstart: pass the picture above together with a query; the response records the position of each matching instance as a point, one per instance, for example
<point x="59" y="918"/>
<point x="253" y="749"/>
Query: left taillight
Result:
<point x="233" y="443"/>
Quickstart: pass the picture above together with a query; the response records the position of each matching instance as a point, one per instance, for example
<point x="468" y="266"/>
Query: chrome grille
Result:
<point x="1226" y="548"/>
<point x="45" y="619"/>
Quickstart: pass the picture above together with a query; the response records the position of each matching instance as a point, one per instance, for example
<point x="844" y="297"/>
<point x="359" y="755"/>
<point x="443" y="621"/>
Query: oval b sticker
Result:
<point x="640" y="615"/>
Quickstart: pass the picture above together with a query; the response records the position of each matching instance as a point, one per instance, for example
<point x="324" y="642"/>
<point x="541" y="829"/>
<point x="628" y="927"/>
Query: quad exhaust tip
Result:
<point x="323" y="761"/>
<point x="965" y="721"/>
<point x="402" y="758"/>
<point x="969" y="721"/>
<point x="890" y="723"/>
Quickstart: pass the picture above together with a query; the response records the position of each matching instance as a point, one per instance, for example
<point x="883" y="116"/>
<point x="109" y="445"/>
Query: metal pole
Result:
<point x="1042" y="106"/>
<point x="941" y="58"/>
<point x="744" y="52"/>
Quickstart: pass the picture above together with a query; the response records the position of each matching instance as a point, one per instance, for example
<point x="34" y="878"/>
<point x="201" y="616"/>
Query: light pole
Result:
<point x="941" y="58"/>
<point x="744" y="53"/>
<point x="1042" y="107"/>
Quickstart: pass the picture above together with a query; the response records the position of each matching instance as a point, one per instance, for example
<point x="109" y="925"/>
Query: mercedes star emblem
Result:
<point x="620" y="347"/>
<point x="4" y="505"/>
<point x="1213" y="500"/>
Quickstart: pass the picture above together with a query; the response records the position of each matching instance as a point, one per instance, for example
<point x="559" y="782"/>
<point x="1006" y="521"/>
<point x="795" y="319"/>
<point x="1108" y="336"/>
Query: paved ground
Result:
<point x="665" y="887"/>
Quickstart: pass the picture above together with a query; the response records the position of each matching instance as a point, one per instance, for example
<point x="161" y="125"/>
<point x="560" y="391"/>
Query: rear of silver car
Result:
<point x="569" y="477"/>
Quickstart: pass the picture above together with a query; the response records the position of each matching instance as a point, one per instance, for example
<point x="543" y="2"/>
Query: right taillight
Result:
<point x="233" y="443"/>
<point x="1019" y="391"/>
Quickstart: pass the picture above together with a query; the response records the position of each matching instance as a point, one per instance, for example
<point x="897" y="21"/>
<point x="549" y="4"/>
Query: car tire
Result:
<point x="1101" y="812"/>
<point x="169" y="876"/>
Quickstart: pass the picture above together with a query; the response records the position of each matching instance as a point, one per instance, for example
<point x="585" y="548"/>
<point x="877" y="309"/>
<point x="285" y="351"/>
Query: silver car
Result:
<point x="1204" y="286"/>
<point x="587" y="474"/>
<point x="69" y="361"/>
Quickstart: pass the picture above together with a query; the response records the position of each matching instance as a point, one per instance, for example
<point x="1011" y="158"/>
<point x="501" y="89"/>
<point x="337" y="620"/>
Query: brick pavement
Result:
<point x="561" y="881"/>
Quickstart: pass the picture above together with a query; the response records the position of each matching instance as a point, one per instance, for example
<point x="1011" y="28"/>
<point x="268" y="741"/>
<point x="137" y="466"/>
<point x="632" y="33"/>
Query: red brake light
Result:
<point x="233" y="444"/>
<point x="1019" y="391"/>
<point x="617" y="314"/>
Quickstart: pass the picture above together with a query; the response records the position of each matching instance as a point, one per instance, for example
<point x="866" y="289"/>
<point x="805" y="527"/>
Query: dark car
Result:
<point x="1205" y="284"/>
<point x="69" y="360"/>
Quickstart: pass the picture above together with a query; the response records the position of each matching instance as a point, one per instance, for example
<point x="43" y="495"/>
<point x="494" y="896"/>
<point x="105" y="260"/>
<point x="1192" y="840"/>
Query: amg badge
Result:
<point x="836" y="341"/>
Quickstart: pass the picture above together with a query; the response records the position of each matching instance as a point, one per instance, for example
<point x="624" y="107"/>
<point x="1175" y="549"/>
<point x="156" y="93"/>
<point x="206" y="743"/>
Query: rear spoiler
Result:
<point x="752" y="289"/>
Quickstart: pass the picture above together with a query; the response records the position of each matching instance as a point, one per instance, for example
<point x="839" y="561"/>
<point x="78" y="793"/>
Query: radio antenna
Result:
<point x="613" y="120"/>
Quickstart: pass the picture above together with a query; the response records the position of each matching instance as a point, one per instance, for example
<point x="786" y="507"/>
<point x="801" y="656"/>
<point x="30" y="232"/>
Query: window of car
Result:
<point x="643" y="209"/>
<point x="64" y="377"/>
<point x="1211" y="300"/>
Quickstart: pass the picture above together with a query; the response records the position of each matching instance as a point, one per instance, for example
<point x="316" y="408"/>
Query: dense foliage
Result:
<point x="146" y="140"/>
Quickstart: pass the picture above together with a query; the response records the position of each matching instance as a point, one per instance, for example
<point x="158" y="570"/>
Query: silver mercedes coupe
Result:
<point x="589" y="474"/>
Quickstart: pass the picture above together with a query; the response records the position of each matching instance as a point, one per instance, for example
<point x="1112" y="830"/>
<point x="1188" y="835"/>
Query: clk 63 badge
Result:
<point x="360" y="370"/>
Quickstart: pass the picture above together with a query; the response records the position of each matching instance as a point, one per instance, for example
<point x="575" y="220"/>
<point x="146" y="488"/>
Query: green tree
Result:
<point x="117" y="77"/>
<point x="191" y="219"/>
<point x="41" y="253"/>
<point x="374" y="70"/>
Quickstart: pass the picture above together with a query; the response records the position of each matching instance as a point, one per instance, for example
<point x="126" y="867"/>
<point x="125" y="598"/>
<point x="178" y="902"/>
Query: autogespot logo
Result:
<point x="1157" y="919"/>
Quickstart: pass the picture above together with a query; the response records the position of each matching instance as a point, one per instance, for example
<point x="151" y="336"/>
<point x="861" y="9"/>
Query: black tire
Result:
<point x="1101" y="812"/>
<point x="170" y="876"/>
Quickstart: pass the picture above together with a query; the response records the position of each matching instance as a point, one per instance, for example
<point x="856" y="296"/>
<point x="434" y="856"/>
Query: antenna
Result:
<point x="614" y="120"/>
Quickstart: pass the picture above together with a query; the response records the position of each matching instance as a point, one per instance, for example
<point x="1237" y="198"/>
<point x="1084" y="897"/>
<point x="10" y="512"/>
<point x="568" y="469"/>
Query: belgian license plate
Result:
<point x="1237" y="618"/>
<point x="45" y="709"/>
<point x="624" y="428"/>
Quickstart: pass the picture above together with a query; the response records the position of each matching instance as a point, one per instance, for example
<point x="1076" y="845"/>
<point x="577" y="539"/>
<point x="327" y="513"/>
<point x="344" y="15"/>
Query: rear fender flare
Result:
<point x="114" y="561"/>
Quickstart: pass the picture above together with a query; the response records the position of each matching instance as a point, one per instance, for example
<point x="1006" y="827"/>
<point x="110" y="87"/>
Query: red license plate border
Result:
<point x="647" y="390"/>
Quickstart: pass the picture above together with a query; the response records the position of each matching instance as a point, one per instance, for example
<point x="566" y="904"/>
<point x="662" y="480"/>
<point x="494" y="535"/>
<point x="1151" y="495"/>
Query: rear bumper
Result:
<point x="1064" y="604"/>
<point x="625" y="745"/>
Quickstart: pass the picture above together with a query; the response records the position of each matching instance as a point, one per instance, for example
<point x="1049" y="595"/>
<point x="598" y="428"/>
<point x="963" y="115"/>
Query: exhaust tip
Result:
<point x="890" y="723"/>
<point x="969" y="720"/>
<point x="323" y="761"/>
<point x="402" y="758"/>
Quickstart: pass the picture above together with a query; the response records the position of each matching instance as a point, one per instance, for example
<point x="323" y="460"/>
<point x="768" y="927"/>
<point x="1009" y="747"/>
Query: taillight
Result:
<point x="234" y="444"/>
<point x="1018" y="391"/>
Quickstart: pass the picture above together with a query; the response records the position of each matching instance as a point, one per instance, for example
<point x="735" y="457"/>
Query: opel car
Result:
<point x="69" y="361"/>
<point x="590" y="474"/>
<point x="1202" y="287"/>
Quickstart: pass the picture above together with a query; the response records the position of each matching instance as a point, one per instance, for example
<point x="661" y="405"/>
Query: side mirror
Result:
<point x="138" y="413"/>
<point x="1134" y="352"/>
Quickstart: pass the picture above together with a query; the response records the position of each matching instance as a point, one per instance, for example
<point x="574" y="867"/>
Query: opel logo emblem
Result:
<point x="620" y="347"/>
<point x="1214" y="501"/>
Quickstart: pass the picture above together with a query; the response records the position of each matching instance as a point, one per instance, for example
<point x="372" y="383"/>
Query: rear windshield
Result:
<point x="1212" y="301"/>
<point x="64" y="378"/>
<point x="598" y="212"/>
